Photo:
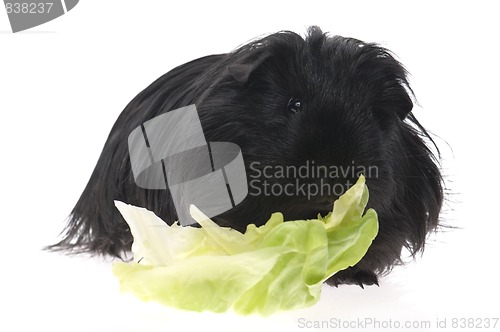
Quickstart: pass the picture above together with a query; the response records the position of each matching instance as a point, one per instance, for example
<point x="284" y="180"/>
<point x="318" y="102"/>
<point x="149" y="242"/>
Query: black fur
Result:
<point x="355" y="106"/>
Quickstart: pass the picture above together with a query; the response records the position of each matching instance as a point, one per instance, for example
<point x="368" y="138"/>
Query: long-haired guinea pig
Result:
<point x="286" y="101"/>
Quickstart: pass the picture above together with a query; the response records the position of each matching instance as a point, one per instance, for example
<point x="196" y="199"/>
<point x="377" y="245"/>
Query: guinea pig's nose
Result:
<point x="323" y="202"/>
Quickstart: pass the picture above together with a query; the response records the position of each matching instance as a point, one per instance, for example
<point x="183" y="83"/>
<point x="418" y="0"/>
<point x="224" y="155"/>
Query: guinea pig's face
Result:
<point x="310" y="118"/>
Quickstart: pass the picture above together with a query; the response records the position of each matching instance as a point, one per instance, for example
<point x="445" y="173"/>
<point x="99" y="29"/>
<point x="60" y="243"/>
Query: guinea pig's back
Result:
<point x="95" y="225"/>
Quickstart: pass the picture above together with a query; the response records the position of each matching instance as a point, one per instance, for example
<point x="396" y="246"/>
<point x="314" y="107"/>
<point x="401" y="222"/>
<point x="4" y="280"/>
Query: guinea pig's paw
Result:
<point x="353" y="276"/>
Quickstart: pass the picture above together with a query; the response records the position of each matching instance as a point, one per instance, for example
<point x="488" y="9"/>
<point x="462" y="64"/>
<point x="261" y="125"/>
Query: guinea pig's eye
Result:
<point x="294" y="105"/>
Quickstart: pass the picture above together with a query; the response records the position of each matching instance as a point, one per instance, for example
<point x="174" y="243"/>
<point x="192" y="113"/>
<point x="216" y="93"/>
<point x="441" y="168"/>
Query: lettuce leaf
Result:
<point x="277" y="266"/>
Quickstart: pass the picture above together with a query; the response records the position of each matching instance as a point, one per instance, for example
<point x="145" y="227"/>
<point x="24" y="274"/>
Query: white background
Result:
<point x="63" y="84"/>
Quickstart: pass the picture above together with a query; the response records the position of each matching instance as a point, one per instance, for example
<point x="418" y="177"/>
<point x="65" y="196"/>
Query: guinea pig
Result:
<point x="286" y="101"/>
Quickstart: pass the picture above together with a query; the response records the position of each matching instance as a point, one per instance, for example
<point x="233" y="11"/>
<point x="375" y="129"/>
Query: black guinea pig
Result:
<point x="286" y="101"/>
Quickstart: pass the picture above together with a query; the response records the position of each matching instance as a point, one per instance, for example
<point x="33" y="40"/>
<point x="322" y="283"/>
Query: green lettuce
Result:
<point x="277" y="266"/>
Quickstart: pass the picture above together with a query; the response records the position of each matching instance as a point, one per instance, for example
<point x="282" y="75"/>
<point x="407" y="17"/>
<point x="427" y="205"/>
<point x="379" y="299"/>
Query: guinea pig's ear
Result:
<point x="395" y="99"/>
<point x="242" y="71"/>
<point x="405" y="107"/>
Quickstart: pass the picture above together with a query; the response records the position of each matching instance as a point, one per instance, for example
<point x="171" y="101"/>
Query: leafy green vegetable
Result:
<point x="277" y="266"/>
